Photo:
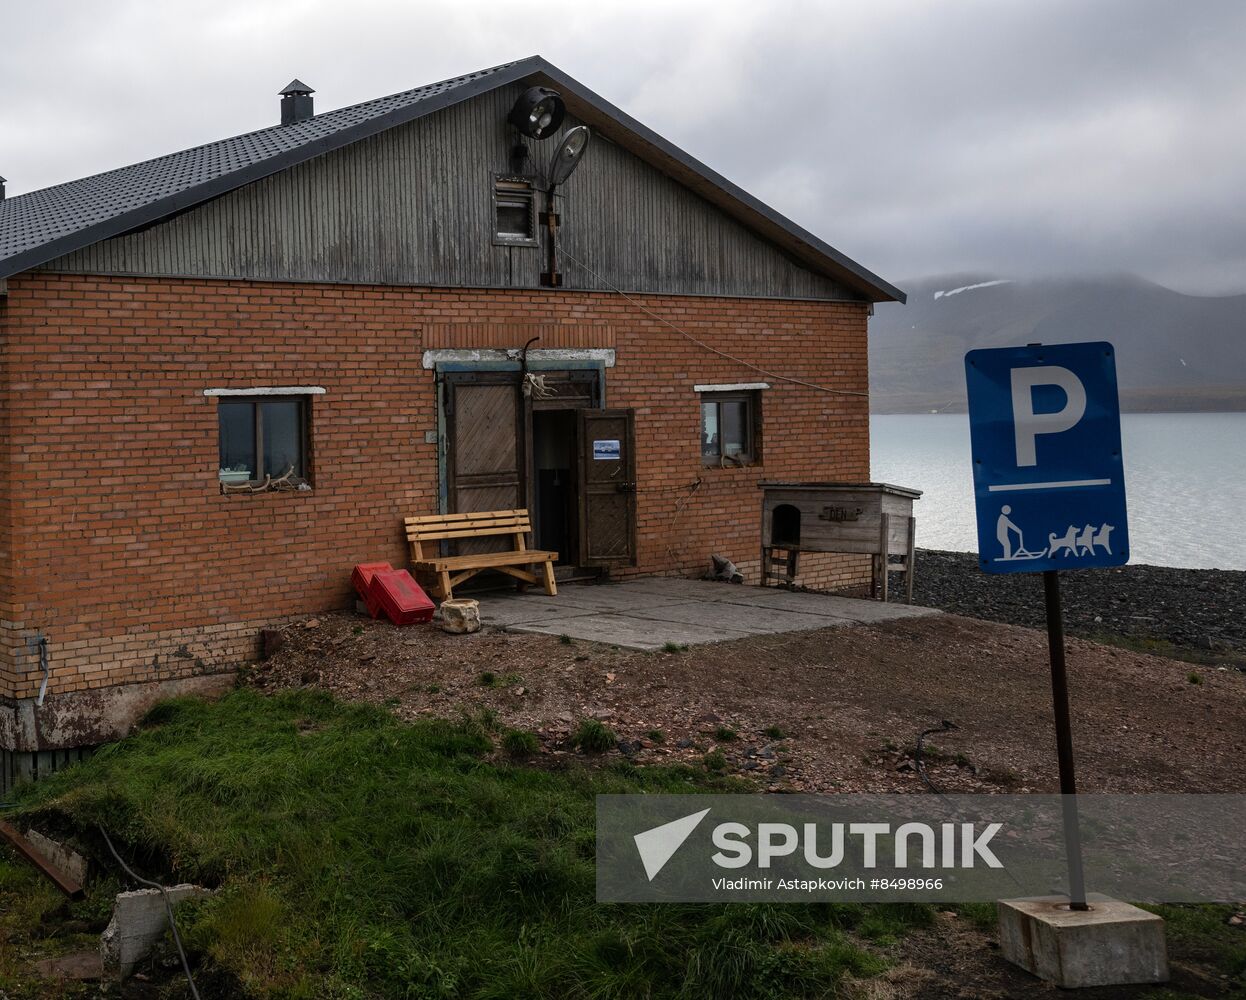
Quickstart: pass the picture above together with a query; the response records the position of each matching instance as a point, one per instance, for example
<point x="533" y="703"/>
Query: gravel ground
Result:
<point x="1203" y="610"/>
<point x="840" y="709"/>
<point x="836" y="709"/>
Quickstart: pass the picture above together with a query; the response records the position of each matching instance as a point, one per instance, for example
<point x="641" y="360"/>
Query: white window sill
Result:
<point x="269" y="390"/>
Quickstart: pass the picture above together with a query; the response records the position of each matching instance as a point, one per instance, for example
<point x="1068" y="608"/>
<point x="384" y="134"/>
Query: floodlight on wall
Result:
<point x="568" y="155"/>
<point x="566" y="158"/>
<point x="538" y="113"/>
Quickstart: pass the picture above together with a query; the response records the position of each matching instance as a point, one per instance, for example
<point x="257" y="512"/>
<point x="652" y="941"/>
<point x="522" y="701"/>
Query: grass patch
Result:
<point x="1203" y="933"/>
<point x="655" y="736"/>
<point x="520" y="744"/>
<point x="725" y="734"/>
<point x="36" y="923"/>
<point x="983" y="916"/>
<point x="1194" y="677"/>
<point x="592" y="736"/>
<point x="1234" y="658"/>
<point x="775" y="733"/>
<point x="483" y="722"/>
<point x="673" y="647"/>
<point x="360" y="857"/>
<point x="714" y="761"/>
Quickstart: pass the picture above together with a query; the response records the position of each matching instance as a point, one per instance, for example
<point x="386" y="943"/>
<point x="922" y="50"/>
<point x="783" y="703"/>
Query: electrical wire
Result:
<point x="562" y="249"/>
<point x="168" y="905"/>
<point x="946" y="726"/>
<point x="680" y="504"/>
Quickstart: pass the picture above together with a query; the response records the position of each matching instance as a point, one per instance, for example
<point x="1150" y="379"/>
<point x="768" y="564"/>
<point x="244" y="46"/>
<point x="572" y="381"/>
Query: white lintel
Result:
<point x="732" y="387"/>
<point x="269" y="390"/>
<point x="475" y="355"/>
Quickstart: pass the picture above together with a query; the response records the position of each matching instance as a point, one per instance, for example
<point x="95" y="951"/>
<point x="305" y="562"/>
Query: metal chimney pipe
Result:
<point x="296" y="102"/>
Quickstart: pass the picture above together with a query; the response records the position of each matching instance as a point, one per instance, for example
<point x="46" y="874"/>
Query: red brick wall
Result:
<point x="114" y="539"/>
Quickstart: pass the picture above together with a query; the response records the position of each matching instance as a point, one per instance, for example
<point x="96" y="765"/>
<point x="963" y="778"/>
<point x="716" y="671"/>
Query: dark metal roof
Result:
<point x="296" y="86"/>
<point x="42" y="225"/>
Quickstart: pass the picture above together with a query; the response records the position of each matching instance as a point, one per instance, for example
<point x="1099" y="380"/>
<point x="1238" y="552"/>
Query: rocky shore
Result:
<point x="1199" y="611"/>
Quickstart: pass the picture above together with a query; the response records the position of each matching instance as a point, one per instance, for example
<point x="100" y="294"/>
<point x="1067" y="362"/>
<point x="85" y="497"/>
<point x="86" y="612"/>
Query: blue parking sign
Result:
<point x="1048" y="478"/>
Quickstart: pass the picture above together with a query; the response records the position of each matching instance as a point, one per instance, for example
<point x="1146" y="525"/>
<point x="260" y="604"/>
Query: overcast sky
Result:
<point x="920" y="138"/>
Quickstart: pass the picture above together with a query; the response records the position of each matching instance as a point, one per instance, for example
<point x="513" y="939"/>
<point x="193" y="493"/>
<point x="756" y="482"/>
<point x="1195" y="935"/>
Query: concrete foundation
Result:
<point x="138" y="922"/>
<point x="99" y="715"/>
<point x="647" y="614"/>
<point x="1112" y="943"/>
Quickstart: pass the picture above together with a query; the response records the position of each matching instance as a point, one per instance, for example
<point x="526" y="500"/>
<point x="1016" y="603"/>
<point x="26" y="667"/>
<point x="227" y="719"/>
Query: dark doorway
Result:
<point x="785" y="526"/>
<point x="554" y="452"/>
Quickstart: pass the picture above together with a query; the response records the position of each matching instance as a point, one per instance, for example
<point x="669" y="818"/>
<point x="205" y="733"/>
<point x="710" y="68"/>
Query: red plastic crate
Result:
<point x="362" y="576"/>
<point x="361" y="579"/>
<point x="400" y="597"/>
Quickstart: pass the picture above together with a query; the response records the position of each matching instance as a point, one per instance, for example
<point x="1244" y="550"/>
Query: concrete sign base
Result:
<point x="1112" y="943"/>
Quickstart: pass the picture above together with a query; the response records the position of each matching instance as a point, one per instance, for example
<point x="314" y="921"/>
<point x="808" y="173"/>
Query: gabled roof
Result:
<point x="43" y="225"/>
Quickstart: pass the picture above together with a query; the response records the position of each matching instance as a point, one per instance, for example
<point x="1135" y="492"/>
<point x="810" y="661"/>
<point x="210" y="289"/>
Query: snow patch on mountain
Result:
<point x="970" y="288"/>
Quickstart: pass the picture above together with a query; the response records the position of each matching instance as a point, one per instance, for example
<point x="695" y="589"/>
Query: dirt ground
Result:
<point x="849" y="704"/>
<point x="958" y="960"/>
<point x="835" y="710"/>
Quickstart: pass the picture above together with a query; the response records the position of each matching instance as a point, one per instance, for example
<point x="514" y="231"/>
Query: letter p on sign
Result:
<point x="1027" y="424"/>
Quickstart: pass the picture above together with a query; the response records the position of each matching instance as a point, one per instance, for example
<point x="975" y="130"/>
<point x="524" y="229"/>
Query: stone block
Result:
<point x="1111" y="944"/>
<point x="139" y="920"/>
<point x="64" y="859"/>
<point x="460" y="616"/>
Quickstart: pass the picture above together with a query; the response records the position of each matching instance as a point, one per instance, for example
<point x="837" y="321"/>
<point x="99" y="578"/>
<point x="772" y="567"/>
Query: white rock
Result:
<point x="460" y="616"/>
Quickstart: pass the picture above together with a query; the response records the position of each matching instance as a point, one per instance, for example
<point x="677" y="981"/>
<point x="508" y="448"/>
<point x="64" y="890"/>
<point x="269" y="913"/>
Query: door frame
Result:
<point x="536" y="364"/>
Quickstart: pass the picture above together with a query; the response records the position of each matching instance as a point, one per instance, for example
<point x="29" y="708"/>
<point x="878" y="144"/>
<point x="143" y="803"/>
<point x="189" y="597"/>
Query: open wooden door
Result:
<point x="485" y="447"/>
<point x="607" y="481"/>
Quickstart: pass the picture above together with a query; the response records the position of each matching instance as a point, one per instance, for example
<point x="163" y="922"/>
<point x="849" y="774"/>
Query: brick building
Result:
<point x="341" y="304"/>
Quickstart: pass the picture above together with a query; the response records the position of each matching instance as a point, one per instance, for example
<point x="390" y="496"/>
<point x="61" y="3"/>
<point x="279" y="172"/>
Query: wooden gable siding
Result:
<point x="413" y="206"/>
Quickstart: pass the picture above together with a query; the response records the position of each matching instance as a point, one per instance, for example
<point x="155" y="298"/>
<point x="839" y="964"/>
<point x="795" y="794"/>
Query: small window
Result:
<point x="264" y="439"/>
<point x="514" y="211"/>
<point x="730" y="428"/>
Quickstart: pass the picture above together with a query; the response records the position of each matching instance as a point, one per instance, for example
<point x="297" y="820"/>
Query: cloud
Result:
<point x="991" y="136"/>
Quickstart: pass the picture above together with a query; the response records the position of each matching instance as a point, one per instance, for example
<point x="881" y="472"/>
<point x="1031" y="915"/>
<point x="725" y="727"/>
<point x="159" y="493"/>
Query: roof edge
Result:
<point x="752" y="212"/>
<point x="162" y="208"/>
<point x="865" y="280"/>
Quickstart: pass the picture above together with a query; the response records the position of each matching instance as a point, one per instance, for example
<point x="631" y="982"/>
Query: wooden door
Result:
<point x="484" y="447"/>
<point x="607" y="481"/>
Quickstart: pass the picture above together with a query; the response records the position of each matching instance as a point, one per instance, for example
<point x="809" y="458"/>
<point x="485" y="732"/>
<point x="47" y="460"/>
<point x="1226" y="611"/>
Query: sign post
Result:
<point x="1049" y="489"/>
<point x="1064" y="739"/>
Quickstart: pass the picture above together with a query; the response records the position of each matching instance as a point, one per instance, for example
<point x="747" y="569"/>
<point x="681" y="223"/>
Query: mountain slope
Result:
<point x="1174" y="351"/>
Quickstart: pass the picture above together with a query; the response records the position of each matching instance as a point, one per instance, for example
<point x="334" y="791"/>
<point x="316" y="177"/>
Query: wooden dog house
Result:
<point x="874" y="519"/>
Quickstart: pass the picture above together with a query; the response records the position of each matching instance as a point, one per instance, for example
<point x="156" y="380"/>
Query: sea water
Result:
<point x="1185" y="482"/>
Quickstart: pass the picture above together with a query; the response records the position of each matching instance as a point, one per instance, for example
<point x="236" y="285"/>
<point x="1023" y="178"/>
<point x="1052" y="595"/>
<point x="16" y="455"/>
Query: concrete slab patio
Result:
<point x="648" y="614"/>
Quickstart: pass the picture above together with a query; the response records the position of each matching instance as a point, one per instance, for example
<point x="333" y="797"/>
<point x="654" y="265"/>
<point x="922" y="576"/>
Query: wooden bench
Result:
<point x="425" y="534"/>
